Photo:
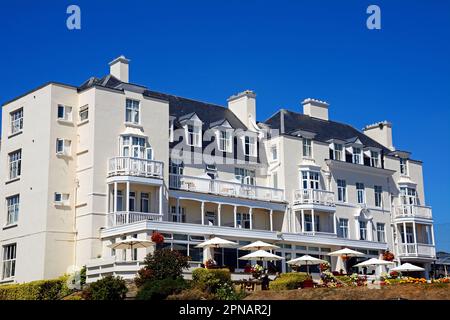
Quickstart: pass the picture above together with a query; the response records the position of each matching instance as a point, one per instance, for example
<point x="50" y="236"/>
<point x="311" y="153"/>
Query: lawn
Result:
<point x="392" y="292"/>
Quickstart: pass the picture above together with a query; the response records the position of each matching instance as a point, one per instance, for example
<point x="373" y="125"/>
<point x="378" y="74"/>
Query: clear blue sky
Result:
<point x="284" y="50"/>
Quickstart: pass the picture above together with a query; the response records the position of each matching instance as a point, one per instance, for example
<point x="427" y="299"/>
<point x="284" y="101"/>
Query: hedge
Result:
<point x="36" y="290"/>
<point x="210" y="279"/>
<point x="289" y="281"/>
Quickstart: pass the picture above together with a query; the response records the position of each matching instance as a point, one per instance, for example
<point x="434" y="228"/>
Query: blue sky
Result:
<point x="284" y="50"/>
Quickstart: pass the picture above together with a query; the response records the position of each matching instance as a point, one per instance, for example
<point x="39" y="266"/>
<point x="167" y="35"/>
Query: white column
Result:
<point x="334" y="223"/>
<point x="405" y="245"/>
<point x="415" y="237"/>
<point x="271" y="219"/>
<point x="203" y="212"/>
<point x="432" y="235"/>
<point x="313" y="221"/>
<point x="219" y="215"/>
<point x="235" y="216"/>
<point x="115" y="197"/>
<point x="127" y="204"/>
<point x="289" y="217"/>
<point x="161" y="199"/>
<point x="250" y="212"/>
<point x="177" y="210"/>
<point x="303" y="220"/>
<point x="369" y="230"/>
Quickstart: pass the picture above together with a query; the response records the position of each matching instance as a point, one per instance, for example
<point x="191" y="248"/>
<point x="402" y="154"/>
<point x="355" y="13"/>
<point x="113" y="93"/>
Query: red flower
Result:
<point x="388" y="256"/>
<point x="157" y="238"/>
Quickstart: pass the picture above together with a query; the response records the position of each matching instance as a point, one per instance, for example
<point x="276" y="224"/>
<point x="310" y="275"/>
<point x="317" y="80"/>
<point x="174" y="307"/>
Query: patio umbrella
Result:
<point x="132" y="243"/>
<point x="261" y="255"/>
<point x="259" y="245"/>
<point x="306" y="260"/>
<point x="346" y="252"/>
<point x="373" y="262"/>
<point x="407" y="267"/>
<point x="216" y="242"/>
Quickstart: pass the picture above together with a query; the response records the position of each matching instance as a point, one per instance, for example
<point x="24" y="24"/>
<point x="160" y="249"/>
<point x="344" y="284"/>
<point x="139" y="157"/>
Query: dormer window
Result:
<point x="250" y="146"/>
<point x="374" y="159"/>
<point x="225" y="141"/>
<point x="403" y="167"/>
<point x="307" y="148"/>
<point x="356" y="155"/>
<point x="132" y="111"/>
<point x="193" y="134"/>
<point x="338" y="152"/>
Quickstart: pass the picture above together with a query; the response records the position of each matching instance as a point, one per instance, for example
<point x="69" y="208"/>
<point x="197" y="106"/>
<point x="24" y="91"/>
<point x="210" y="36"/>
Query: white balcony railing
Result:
<point x="125" y="217"/>
<point x="416" y="250"/>
<point x="314" y="196"/>
<point x="129" y="166"/>
<point x="412" y="210"/>
<point x="224" y="188"/>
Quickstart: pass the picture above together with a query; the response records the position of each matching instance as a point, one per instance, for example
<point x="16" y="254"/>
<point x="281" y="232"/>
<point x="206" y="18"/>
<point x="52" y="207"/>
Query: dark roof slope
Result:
<point x="324" y="130"/>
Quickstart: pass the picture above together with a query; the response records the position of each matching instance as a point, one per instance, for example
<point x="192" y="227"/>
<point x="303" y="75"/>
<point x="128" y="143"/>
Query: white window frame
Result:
<point x="15" y="164"/>
<point x="343" y="228"/>
<point x="378" y="196"/>
<point x="9" y="256"/>
<point x="225" y="140"/>
<point x="362" y="229"/>
<point x="310" y="180"/>
<point x="178" y="216"/>
<point x="193" y="135"/>
<point x="132" y="111"/>
<point x="243" y="220"/>
<point x="83" y="113"/>
<point x="274" y="152"/>
<point x="61" y="198"/>
<point x="66" y="149"/>
<point x="307" y="148"/>
<point x="67" y="113"/>
<point x="341" y="190"/>
<point x="403" y="166"/>
<point x="360" y="193"/>
<point x="16" y="118"/>
<point x="375" y="159"/>
<point x="145" y="197"/>
<point x="135" y="147"/>
<point x="246" y="176"/>
<point x="12" y="209"/>
<point x="356" y="155"/>
<point x="250" y="143"/>
<point x="338" y="150"/>
<point x="381" y="232"/>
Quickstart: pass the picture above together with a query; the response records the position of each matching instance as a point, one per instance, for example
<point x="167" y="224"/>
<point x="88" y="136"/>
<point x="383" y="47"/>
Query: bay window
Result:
<point x="310" y="180"/>
<point x="136" y="147"/>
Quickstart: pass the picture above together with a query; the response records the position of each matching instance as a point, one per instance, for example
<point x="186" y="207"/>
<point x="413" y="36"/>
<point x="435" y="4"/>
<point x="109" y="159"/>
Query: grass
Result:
<point x="392" y="292"/>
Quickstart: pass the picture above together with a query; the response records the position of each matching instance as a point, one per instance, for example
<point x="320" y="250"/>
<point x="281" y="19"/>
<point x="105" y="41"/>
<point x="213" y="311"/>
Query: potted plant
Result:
<point x="388" y="256"/>
<point x="257" y="271"/>
<point x="157" y="238"/>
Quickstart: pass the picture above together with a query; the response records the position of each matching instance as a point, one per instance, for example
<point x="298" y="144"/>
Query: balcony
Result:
<point x="125" y="217"/>
<point x="314" y="197"/>
<point x="416" y="250"/>
<point x="413" y="211"/>
<point x="129" y="166"/>
<point x="224" y="188"/>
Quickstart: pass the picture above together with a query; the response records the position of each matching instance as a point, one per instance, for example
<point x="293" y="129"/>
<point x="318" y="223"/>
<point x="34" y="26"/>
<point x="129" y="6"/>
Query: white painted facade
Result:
<point x="69" y="200"/>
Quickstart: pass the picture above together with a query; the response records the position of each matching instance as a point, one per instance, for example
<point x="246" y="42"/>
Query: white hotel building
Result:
<point x="83" y="167"/>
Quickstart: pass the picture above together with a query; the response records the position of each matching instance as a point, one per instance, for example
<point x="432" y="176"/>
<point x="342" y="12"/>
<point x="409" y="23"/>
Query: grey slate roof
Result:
<point x="325" y="130"/>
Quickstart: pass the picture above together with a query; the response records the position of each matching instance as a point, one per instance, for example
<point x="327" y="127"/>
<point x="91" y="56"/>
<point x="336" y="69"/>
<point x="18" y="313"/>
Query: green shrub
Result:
<point x="36" y="290"/>
<point x="227" y="292"/>
<point x="108" y="288"/>
<point x="289" y="281"/>
<point x="160" y="289"/>
<point x="210" y="279"/>
<point x="162" y="264"/>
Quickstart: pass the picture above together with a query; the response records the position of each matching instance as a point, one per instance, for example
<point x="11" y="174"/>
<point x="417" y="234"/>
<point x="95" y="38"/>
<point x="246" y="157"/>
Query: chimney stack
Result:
<point x="119" y="68"/>
<point x="243" y="105"/>
<point x="315" y="108"/>
<point x="381" y="132"/>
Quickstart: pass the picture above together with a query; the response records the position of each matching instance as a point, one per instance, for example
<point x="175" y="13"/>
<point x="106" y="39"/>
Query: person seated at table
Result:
<point x="248" y="268"/>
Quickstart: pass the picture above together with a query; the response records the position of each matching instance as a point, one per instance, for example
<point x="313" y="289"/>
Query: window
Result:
<point x="374" y="159"/>
<point x="63" y="146"/>
<point x="132" y="201"/>
<point x="357" y="155"/>
<point x="360" y="193"/>
<point x="250" y="146"/>
<point x="274" y="152"/>
<point x="15" y="164"/>
<point x="246" y="176"/>
<point x="343" y="228"/>
<point x="403" y="167"/>
<point x="225" y="141"/>
<point x="61" y="198"/>
<point x="381" y="236"/>
<point x="9" y="261"/>
<point x="64" y="113"/>
<point x="308" y="223"/>
<point x="16" y="121"/>
<point x="132" y="111"/>
<point x="378" y="195"/>
<point x="307" y="148"/>
<point x="310" y="180"/>
<point x="338" y="152"/>
<point x="136" y="147"/>
<point x="243" y="220"/>
<point x="194" y="135"/>
<point x="180" y="216"/>
<point x="119" y="200"/>
<point x="408" y="199"/>
<point x="342" y="190"/>
<point x="362" y="230"/>
<point x="12" y="205"/>
<point x="84" y="113"/>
